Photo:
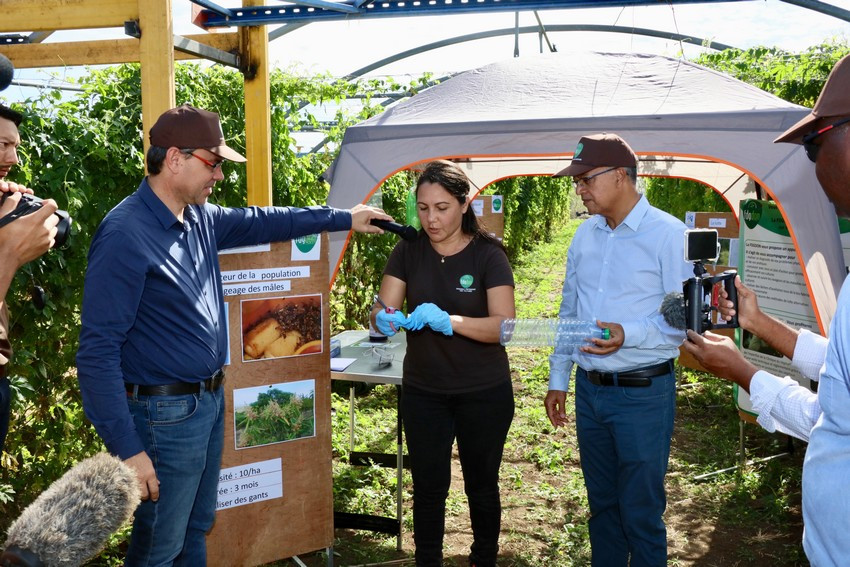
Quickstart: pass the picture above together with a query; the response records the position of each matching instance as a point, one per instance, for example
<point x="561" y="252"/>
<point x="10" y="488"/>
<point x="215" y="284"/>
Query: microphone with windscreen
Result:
<point x="70" y="522"/>
<point x="673" y="310"/>
<point x="696" y="307"/>
<point x="7" y="72"/>
<point x="405" y="231"/>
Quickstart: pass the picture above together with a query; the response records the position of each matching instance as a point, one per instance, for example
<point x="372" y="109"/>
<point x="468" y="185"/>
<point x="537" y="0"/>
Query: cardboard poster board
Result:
<point x="726" y="226"/>
<point x="770" y="267"/>
<point x="490" y="210"/>
<point x="275" y="496"/>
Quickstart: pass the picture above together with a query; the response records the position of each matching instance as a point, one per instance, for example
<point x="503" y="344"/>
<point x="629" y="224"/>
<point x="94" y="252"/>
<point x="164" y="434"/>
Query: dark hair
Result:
<point x="451" y="177"/>
<point x="9" y="114"/>
<point x="156" y="156"/>
<point x="631" y="172"/>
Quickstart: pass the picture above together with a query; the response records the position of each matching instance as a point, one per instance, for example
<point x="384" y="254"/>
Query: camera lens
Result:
<point x="29" y="204"/>
<point x="63" y="228"/>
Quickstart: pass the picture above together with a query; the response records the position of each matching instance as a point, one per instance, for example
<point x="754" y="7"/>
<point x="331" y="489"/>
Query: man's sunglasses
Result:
<point x="811" y="148"/>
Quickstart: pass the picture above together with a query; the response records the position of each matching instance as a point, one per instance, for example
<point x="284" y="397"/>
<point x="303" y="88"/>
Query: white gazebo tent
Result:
<point x="525" y="116"/>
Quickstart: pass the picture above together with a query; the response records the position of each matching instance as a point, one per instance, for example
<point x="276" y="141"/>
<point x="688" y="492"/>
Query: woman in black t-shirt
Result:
<point x="458" y="285"/>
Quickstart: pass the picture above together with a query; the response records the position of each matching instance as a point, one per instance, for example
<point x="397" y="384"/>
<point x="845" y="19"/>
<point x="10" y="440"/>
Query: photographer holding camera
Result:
<point x="822" y="418"/>
<point x="24" y="239"/>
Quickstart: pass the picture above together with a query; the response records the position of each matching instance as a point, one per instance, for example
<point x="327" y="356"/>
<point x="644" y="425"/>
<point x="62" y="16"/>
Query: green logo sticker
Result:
<point x="751" y="211"/>
<point x="579" y="148"/>
<point x="306" y="243"/>
<point x="466" y="281"/>
<point x="497" y="204"/>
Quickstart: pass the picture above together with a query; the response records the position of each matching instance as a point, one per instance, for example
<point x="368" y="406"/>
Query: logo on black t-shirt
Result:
<point x="466" y="282"/>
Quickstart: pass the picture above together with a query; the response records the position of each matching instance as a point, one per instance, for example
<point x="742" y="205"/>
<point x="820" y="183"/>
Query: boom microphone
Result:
<point x="7" y="72"/>
<point x="673" y="310"/>
<point x="71" y="520"/>
<point x="405" y="231"/>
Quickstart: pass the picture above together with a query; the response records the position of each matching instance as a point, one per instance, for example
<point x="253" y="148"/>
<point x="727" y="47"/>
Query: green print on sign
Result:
<point x="306" y="243"/>
<point x="765" y="215"/>
<point x="579" y="148"/>
<point x="497" y="204"/>
<point x="466" y="281"/>
<point x="751" y="211"/>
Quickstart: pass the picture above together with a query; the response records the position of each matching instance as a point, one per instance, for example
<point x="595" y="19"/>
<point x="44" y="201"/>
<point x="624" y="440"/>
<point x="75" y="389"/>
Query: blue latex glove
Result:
<point x="390" y="323"/>
<point x="416" y="320"/>
<point x="432" y="316"/>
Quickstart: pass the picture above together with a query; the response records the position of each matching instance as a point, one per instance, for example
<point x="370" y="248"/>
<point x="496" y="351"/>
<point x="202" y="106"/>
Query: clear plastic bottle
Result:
<point x="563" y="334"/>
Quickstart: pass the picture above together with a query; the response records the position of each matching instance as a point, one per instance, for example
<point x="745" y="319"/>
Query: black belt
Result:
<point x="211" y="384"/>
<point x="637" y="378"/>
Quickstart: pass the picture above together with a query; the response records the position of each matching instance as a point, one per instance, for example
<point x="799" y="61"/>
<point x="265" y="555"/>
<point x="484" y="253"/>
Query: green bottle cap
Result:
<point x="606" y="334"/>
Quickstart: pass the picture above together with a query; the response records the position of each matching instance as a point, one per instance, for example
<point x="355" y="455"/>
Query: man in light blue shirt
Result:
<point x="620" y="265"/>
<point x="822" y="418"/>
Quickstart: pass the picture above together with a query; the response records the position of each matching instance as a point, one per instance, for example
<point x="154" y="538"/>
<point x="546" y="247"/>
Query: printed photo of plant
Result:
<point x="275" y="413"/>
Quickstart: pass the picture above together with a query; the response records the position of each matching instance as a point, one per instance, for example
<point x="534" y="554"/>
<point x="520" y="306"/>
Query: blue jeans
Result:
<point x="624" y="439"/>
<point x="183" y="435"/>
<point x="480" y="421"/>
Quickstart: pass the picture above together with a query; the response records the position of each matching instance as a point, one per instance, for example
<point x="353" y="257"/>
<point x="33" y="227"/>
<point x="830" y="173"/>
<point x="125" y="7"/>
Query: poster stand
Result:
<point x="275" y="497"/>
<point x="490" y="211"/>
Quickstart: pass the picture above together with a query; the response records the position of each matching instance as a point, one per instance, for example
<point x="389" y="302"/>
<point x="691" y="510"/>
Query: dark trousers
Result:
<point x="624" y="441"/>
<point x="480" y="422"/>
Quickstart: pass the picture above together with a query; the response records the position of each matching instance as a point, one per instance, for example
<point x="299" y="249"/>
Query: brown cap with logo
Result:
<point x="833" y="102"/>
<point x="599" y="150"/>
<point x="190" y="127"/>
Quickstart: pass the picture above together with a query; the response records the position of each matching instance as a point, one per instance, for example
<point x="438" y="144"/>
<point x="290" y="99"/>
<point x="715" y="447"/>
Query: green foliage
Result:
<point x="533" y="207"/>
<point x="678" y="196"/>
<point x="795" y="77"/>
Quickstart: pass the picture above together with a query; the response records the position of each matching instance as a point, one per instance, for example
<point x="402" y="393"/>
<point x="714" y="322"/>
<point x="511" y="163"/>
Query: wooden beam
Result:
<point x="254" y="47"/>
<point x="156" y="55"/>
<point x="99" y="52"/>
<point x="29" y="15"/>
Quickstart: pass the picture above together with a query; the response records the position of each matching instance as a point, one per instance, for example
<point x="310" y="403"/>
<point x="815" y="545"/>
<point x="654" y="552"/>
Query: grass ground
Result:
<point x="748" y="516"/>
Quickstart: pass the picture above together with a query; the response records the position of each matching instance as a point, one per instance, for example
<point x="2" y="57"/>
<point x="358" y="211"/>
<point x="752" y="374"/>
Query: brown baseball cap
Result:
<point x="190" y="127"/>
<point x="599" y="150"/>
<point x="833" y="102"/>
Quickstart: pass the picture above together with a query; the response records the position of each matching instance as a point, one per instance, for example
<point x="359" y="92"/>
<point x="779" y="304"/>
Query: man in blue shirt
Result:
<point x="621" y="263"/>
<point x="154" y="337"/>
<point x="822" y="418"/>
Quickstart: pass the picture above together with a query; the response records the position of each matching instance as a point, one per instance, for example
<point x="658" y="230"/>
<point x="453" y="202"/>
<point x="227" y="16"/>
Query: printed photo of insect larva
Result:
<point x="281" y="326"/>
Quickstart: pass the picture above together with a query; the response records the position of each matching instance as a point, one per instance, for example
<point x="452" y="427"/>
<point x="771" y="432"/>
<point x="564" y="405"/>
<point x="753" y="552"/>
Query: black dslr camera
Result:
<point x="701" y="291"/>
<point x="30" y="204"/>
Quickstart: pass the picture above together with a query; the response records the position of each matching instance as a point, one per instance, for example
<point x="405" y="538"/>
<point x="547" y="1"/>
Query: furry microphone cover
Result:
<point x="673" y="310"/>
<point x="71" y="520"/>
